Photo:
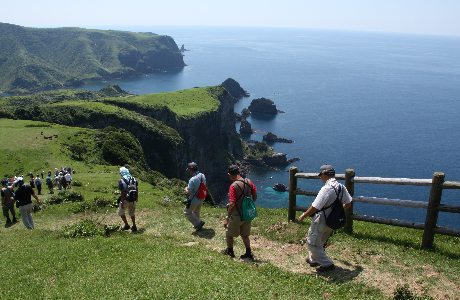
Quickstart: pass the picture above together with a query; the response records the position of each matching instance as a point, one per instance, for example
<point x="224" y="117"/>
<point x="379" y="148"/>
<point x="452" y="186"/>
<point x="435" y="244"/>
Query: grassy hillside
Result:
<point x="32" y="58"/>
<point x="167" y="255"/>
<point x="11" y="103"/>
<point x="190" y="103"/>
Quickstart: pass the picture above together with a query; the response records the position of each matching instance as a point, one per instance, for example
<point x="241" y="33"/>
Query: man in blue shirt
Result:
<point x="192" y="210"/>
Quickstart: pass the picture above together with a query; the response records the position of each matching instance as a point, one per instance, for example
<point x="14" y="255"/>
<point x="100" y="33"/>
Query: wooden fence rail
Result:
<point x="433" y="206"/>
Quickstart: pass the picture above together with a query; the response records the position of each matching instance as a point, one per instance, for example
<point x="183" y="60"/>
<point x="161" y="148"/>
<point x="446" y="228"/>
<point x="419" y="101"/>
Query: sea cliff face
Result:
<point x="209" y="139"/>
<point x="201" y="130"/>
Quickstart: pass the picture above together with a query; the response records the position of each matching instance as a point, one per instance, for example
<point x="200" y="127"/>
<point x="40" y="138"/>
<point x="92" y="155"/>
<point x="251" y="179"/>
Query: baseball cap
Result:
<point x="326" y="169"/>
<point x="192" y="166"/>
<point x="233" y="169"/>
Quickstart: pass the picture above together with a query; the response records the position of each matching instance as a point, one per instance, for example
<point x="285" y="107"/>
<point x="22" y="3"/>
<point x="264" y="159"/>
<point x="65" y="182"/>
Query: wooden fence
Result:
<point x="433" y="206"/>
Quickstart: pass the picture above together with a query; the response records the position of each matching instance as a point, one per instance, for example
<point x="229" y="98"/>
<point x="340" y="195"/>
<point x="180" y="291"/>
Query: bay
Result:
<point x="383" y="104"/>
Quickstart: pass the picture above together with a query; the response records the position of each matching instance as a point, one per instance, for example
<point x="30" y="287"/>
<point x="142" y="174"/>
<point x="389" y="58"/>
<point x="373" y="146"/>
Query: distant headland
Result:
<point x="32" y="58"/>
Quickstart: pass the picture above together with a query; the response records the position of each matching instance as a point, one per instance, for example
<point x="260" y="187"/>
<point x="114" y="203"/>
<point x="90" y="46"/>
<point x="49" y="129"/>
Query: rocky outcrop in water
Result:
<point x="280" y="187"/>
<point x="263" y="106"/>
<point x="270" y="137"/>
<point x="234" y="88"/>
<point x="245" y="127"/>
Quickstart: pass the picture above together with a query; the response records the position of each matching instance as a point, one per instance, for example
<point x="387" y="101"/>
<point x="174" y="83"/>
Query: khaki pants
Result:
<point x="317" y="237"/>
<point x="193" y="214"/>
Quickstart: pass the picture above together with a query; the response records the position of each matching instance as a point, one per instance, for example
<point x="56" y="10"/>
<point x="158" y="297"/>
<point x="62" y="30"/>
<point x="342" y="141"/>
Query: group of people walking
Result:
<point x="320" y="208"/>
<point x="15" y="191"/>
<point x="23" y="199"/>
<point x="196" y="190"/>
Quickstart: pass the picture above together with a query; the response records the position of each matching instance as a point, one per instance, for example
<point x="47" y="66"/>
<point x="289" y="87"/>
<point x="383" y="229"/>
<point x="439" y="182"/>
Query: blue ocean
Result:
<point x="383" y="104"/>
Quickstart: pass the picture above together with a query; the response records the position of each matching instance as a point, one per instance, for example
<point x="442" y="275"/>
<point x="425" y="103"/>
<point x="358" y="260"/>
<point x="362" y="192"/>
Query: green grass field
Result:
<point x="167" y="259"/>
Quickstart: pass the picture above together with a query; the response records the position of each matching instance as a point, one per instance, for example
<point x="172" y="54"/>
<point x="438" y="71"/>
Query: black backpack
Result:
<point x="336" y="218"/>
<point x="130" y="192"/>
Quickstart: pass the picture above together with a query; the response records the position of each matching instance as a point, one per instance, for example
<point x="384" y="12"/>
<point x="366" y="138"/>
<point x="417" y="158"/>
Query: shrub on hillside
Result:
<point x="96" y="204"/>
<point x="65" y="196"/>
<point x="88" y="228"/>
<point x="402" y="292"/>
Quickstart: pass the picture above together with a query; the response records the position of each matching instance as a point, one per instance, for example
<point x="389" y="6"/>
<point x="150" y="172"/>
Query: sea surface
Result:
<point x="383" y="104"/>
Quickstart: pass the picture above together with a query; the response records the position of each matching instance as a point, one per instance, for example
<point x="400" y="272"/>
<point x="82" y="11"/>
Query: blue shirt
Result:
<point x="194" y="185"/>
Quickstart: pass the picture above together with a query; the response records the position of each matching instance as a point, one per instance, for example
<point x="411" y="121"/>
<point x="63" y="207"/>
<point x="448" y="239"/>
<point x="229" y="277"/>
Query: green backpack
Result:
<point x="248" y="208"/>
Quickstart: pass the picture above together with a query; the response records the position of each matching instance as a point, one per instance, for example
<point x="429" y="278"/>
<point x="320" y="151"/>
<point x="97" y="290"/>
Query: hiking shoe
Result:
<point x="126" y="227"/>
<point x="250" y="256"/>
<point x="134" y="228"/>
<point x="200" y="226"/>
<point x="324" y="269"/>
<point x="225" y="252"/>
<point x="15" y="220"/>
<point x="8" y="221"/>
<point x="315" y="264"/>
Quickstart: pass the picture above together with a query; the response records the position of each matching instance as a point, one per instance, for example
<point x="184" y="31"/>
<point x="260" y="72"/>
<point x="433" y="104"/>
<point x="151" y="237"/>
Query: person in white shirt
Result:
<point x="319" y="232"/>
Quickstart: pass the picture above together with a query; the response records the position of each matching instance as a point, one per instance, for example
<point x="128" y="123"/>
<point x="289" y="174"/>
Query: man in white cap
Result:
<point x="24" y="197"/>
<point x="319" y="232"/>
<point x="129" y="196"/>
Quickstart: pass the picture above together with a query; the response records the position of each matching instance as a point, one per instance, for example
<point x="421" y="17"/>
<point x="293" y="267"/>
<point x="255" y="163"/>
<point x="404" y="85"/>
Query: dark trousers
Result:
<point x="9" y="207"/>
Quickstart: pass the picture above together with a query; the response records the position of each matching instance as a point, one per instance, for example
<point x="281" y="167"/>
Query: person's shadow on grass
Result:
<point x="10" y="224"/>
<point x="205" y="233"/>
<point x="340" y="275"/>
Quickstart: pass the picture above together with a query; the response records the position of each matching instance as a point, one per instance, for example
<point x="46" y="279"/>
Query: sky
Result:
<point x="438" y="17"/>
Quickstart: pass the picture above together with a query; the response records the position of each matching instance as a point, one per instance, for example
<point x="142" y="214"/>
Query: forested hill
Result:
<point x="34" y="58"/>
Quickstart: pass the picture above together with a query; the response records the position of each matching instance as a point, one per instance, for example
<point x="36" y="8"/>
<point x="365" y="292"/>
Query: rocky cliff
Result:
<point x="197" y="125"/>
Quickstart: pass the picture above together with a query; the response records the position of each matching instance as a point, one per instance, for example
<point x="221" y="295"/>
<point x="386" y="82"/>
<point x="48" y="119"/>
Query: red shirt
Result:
<point x="234" y="193"/>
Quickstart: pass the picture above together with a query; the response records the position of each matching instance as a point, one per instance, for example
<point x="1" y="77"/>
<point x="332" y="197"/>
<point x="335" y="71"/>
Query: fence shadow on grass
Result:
<point x="403" y="243"/>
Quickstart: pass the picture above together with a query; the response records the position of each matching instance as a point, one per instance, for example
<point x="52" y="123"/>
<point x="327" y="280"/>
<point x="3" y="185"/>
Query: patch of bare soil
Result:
<point x="364" y="268"/>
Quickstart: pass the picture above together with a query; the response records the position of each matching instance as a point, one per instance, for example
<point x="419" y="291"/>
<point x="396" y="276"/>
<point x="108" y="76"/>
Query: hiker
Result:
<point x="195" y="198"/>
<point x="49" y="183"/>
<point x="129" y="196"/>
<point x="319" y="232"/>
<point x="233" y="224"/>
<point x="32" y="181"/>
<point x="58" y="181"/>
<point x="8" y="202"/>
<point x="63" y="182"/>
<point x="38" y="184"/>
<point x="23" y="196"/>
<point x="68" y="179"/>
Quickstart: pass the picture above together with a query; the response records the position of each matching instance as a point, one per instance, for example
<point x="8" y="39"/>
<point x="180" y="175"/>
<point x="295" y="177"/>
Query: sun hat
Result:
<point x="125" y="173"/>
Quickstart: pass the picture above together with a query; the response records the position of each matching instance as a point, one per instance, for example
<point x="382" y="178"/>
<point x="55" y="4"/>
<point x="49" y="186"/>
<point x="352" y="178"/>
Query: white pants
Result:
<point x="317" y="237"/>
<point x="26" y="215"/>
<point x="193" y="214"/>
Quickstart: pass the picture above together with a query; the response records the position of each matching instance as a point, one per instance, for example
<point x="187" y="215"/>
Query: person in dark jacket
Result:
<point x="23" y="196"/>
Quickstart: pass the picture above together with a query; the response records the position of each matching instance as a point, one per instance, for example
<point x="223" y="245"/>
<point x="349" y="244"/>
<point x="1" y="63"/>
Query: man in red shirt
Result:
<point x="235" y="226"/>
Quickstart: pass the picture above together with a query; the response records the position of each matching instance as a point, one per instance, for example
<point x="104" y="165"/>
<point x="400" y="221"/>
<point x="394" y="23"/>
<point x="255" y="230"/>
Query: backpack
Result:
<point x="49" y="180"/>
<point x="131" y="191"/>
<point x="248" y="208"/>
<point x="202" y="190"/>
<point x="8" y="199"/>
<point x="336" y="218"/>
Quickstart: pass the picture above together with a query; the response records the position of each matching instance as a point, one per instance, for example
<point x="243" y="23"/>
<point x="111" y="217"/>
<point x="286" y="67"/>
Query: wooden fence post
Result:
<point x="349" y="184"/>
<point x="292" y="196"/>
<point x="432" y="212"/>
